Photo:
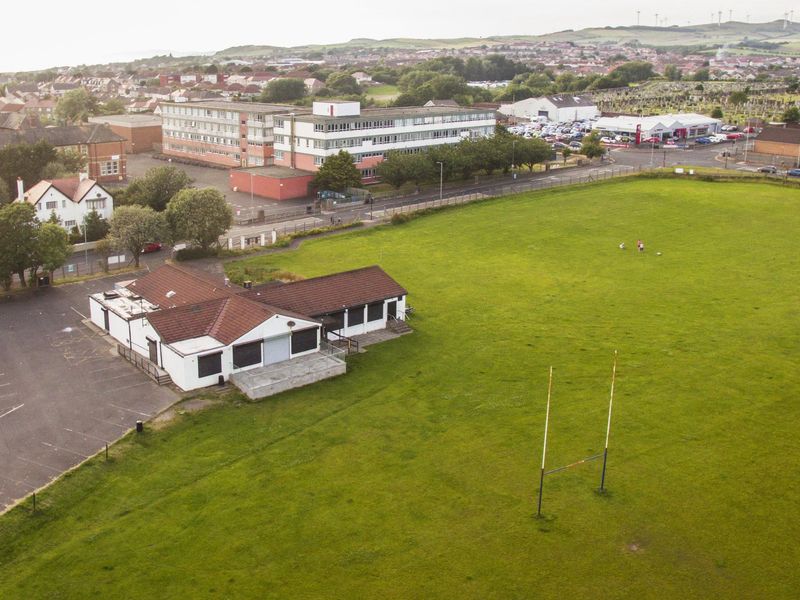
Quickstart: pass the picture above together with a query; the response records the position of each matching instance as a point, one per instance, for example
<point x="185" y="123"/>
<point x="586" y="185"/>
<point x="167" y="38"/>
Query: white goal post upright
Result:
<point x="608" y="426"/>
<point x="544" y="448"/>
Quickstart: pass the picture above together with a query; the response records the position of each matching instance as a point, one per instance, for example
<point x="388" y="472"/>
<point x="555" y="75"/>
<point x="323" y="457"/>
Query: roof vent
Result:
<point x="170" y="294"/>
<point x="110" y="295"/>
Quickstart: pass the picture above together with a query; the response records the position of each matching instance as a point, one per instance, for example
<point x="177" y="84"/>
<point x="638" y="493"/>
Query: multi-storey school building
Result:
<point x="232" y="134"/>
<point x="304" y="140"/>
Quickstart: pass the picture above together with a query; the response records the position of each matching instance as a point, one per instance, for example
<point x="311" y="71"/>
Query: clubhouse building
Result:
<point x="198" y="330"/>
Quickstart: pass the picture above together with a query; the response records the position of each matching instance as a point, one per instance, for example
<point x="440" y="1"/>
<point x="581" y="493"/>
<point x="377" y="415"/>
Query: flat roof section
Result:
<point x="276" y="172"/>
<point x="128" y="120"/>
<point x="243" y="106"/>
<point x="395" y="112"/>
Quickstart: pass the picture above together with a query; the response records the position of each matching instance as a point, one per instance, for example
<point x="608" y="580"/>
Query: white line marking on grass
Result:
<point x="136" y="412"/>
<point x="79" y="313"/>
<point x="58" y="448"/>
<point x="8" y="412"/>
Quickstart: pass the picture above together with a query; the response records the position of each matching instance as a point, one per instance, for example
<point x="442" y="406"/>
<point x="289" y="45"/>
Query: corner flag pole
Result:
<point x="544" y="449"/>
<point x="608" y="427"/>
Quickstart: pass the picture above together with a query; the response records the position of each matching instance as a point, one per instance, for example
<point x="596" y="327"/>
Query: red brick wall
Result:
<point x="139" y="139"/>
<point x="99" y="153"/>
<point x="274" y="188"/>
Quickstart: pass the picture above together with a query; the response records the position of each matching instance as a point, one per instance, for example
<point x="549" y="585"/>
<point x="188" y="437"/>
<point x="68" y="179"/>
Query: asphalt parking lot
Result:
<point x="138" y="164"/>
<point x="64" y="393"/>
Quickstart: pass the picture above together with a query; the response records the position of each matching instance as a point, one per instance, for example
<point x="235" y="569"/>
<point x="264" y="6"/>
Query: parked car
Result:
<point x="793" y="172"/>
<point x="151" y="247"/>
<point x="607" y="140"/>
<point x="702" y="140"/>
<point x="749" y="130"/>
<point x="768" y="169"/>
<point x="735" y="136"/>
<point x="575" y="145"/>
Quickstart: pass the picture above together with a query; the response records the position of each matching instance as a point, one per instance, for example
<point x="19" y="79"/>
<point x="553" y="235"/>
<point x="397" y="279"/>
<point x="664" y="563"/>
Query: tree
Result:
<point x="103" y="250"/>
<point x="342" y="83"/>
<point x="76" y="106"/>
<point x="18" y="225"/>
<point x="212" y="69"/>
<point x="702" y="75"/>
<point x="112" y="106"/>
<point x="25" y="161"/>
<point x="157" y="187"/>
<point x="791" y="115"/>
<point x="672" y="73"/>
<point x="50" y="251"/>
<point x="283" y="90"/>
<point x="591" y="146"/>
<point x="95" y="226"/>
<point x="337" y="173"/>
<point x="200" y="216"/>
<point x="566" y="153"/>
<point x="5" y="194"/>
<point x="716" y="113"/>
<point x="132" y="227"/>
<point x="738" y="97"/>
<point x="530" y="152"/>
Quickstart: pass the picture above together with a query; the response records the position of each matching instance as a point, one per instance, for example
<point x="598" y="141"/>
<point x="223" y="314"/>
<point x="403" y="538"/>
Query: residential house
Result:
<point x="70" y="199"/>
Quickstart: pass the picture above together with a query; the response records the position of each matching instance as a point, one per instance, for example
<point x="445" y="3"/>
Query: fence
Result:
<point x="409" y="205"/>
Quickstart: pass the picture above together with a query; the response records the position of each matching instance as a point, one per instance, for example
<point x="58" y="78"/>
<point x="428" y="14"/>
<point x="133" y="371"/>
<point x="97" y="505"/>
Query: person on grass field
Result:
<point x="640" y="245"/>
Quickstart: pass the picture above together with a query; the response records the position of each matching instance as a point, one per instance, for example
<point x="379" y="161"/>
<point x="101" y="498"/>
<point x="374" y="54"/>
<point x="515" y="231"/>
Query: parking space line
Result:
<point x="126" y="427"/>
<point x="127" y="387"/>
<point x="130" y="410"/>
<point x="18" y="482"/>
<point x="103" y="369"/>
<point x="79" y="313"/>
<point x="86" y="435"/>
<point x="58" y="448"/>
<point x="33" y="462"/>
<point x="8" y="412"/>
<point x="5" y="384"/>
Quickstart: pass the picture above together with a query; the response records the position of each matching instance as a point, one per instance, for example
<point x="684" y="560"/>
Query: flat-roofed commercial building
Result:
<point x="231" y="134"/>
<point x="305" y="140"/>
<point x="142" y="132"/>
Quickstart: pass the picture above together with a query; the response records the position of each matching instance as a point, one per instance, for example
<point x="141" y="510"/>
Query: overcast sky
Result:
<point x="36" y="35"/>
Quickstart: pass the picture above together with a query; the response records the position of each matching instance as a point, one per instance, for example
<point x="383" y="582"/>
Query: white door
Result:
<point x="276" y="349"/>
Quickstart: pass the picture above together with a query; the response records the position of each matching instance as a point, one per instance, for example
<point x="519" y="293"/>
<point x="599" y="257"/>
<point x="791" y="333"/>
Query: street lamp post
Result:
<point x="441" y="177"/>
<point x="85" y="245"/>
<point x="513" y="156"/>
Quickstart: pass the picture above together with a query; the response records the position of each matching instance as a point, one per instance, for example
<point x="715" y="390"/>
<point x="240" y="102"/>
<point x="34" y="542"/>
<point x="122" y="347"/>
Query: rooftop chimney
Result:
<point x="83" y="176"/>
<point x="20" y="189"/>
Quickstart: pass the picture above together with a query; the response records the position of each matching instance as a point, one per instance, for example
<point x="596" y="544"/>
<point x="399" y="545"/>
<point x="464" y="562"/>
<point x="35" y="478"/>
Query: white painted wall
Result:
<point x="367" y="326"/>
<point x="67" y="210"/>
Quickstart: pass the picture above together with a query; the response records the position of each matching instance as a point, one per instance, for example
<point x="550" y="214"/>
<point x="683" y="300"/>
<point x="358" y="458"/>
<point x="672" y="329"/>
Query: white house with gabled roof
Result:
<point x="70" y="199"/>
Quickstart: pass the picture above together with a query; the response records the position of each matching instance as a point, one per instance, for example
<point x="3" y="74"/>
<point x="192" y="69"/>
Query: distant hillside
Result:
<point x="690" y="35"/>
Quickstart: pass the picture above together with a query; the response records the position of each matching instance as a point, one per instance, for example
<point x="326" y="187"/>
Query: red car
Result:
<point x="151" y="247"/>
<point x="735" y="136"/>
<point x="749" y="129"/>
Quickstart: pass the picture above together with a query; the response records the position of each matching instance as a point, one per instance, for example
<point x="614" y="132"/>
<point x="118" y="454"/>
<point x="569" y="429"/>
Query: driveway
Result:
<point x="64" y="393"/>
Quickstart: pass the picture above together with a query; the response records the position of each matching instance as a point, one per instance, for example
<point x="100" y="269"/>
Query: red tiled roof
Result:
<point x="330" y="293"/>
<point x="67" y="186"/>
<point x="225" y="319"/>
<point x="189" y="286"/>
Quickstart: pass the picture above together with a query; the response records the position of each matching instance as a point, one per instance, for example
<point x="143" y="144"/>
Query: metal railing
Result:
<point x="143" y="364"/>
<point x="328" y="349"/>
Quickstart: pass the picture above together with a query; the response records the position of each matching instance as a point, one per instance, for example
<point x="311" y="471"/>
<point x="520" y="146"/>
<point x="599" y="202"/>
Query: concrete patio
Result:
<point x="289" y="374"/>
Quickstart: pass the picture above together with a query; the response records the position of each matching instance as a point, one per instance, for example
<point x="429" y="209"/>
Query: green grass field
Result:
<point x="415" y="475"/>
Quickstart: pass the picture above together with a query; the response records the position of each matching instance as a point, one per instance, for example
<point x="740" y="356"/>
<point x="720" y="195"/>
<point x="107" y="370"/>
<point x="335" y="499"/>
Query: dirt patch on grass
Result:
<point x="182" y="408"/>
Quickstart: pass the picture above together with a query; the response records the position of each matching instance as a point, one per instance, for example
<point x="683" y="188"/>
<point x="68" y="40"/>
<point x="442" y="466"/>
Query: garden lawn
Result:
<point x="415" y="475"/>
